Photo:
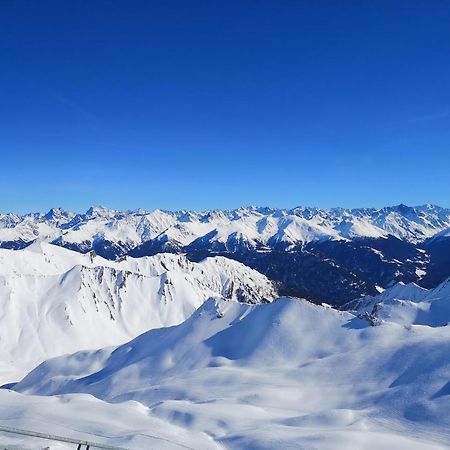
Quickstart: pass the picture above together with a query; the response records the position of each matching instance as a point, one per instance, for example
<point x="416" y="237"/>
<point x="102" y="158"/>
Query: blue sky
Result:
<point x="208" y="104"/>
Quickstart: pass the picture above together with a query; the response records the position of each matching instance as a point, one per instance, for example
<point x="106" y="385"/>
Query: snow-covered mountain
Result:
<point x="406" y="304"/>
<point x="253" y="227"/>
<point x="324" y="255"/>
<point x="288" y="374"/>
<point x="54" y="301"/>
<point x="178" y="350"/>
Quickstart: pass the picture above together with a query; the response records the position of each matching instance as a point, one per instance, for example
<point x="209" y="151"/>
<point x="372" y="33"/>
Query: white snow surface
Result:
<point x="54" y="301"/>
<point x="407" y="304"/>
<point x="288" y="374"/>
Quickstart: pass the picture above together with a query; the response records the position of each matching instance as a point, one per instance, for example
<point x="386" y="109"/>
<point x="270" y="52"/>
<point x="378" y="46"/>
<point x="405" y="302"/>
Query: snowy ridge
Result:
<point x="54" y="301"/>
<point x="407" y="304"/>
<point x="442" y="234"/>
<point x="249" y="227"/>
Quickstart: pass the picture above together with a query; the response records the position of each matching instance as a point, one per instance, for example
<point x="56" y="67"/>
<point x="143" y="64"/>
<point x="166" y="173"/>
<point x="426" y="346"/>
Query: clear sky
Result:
<point x="219" y="104"/>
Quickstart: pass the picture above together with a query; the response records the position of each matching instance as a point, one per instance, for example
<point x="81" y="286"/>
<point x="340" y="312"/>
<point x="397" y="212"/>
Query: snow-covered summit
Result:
<point x="250" y="227"/>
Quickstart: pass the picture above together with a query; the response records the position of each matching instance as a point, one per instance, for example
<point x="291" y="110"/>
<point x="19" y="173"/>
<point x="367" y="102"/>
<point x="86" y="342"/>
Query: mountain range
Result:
<point x="177" y="330"/>
<point x="326" y="255"/>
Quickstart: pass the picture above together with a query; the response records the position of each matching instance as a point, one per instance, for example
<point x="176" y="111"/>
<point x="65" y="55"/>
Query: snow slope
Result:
<point x="125" y="425"/>
<point x="54" y="301"/>
<point x="407" y="304"/>
<point x="288" y="374"/>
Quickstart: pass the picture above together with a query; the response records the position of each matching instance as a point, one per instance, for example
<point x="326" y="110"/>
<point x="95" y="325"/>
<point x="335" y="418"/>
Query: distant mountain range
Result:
<point x="330" y="255"/>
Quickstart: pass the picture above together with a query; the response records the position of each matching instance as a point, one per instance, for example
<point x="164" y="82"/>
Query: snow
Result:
<point x="288" y="374"/>
<point x="84" y="417"/>
<point x="161" y="352"/>
<point x="445" y="233"/>
<point x="54" y="301"/>
<point x="360" y="227"/>
<point x="253" y="226"/>
<point x="420" y="273"/>
<point x="408" y="304"/>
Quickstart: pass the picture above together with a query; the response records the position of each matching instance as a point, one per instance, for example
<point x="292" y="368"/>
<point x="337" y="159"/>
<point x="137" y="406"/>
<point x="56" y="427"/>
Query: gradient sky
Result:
<point x="218" y="104"/>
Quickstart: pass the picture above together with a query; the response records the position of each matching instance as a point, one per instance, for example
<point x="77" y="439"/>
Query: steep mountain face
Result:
<point x="288" y="374"/>
<point x="54" y="301"/>
<point x="324" y="255"/>
<point x="438" y="249"/>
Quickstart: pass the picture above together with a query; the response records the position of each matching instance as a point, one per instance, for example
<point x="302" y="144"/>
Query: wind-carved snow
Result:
<point x="54" y="301"/>
<point x="288" y="374"/>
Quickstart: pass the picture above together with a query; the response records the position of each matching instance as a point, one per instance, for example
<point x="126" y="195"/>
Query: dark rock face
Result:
<point x="330" y="271"/>
<point x="379" y="262"/>
<point x="15" y="245"/>
<point x="155" y="246"/>
<point x="102" y="247"/>
<point x="81" y="247"/>
<point x="110" y="250"/>
<point x="438" y="268"/>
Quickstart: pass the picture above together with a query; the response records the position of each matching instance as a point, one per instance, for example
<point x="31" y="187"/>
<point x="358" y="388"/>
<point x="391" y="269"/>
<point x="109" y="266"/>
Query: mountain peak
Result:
<point x="100" y="211"/>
